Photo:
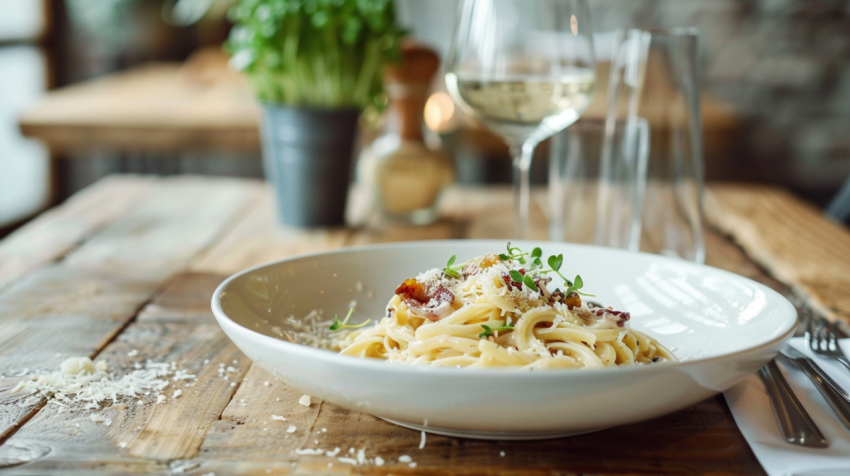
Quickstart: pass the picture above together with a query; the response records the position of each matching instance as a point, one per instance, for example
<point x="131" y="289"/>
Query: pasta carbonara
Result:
<point x="498" y="311"/>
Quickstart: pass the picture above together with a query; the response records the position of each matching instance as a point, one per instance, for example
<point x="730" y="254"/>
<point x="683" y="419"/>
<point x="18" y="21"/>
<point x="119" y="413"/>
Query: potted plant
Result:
<point x="315" y="65"/>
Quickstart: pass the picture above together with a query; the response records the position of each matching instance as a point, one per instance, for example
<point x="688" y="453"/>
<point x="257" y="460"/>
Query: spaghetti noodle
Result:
<point x="496" y="311"/>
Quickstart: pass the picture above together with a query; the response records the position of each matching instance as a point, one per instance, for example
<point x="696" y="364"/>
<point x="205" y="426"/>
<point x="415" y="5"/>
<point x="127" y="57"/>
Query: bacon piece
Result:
<point x="412" y="289"/>
<point x="573" y="300"/>
<point x="430" y="302"/>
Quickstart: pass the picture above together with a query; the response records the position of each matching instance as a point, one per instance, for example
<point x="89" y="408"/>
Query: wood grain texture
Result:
<point x="165" y="232"/>
<point x="141" y="428"/>
<point x="258" y="237"/>
<point x="791" y="239"/>
<point x="77" y="306"/>
<point x="215" y="227"/>
<point x="54" y="314"/>
<point x="55" y="232"/>
<point x="159" y="106"/>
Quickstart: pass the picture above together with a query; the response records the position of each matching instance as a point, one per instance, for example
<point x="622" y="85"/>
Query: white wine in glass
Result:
<point x="524" y="69"/>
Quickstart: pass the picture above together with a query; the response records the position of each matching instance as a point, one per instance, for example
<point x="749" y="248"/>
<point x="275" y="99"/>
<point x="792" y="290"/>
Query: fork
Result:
<point x="823" y="340"/>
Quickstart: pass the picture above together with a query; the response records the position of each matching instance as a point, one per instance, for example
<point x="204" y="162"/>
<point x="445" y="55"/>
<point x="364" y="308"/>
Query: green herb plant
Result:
<point x="337" y="325"/>
<point x="318" y="53"/>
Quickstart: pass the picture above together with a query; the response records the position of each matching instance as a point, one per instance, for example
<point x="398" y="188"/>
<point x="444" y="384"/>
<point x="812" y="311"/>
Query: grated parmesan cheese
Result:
<point x="379" y="461"/>
<point x="351" y="461"/>
<point x="309" y="452"/>
<point x="304" y="400"/>
<point x="81" y="380"/>
<point x="278" y="418"/>
<point x="291" y="429"/>
<point x="404" y="459"/>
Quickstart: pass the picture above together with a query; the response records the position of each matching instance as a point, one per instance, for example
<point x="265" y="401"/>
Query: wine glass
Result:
<point x="524" y="69"/>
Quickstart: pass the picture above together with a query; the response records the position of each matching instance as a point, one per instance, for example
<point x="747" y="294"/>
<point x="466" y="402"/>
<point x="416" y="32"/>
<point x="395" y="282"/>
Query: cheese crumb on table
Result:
<point x="266" y="383"/>
<point x="379" y="461"/>
<point x="347" y="460"/>
<point x="160" y="399"/>
<point x="422" y="441"/>
<point x="309" y="451"/>
<point x="75" y="365"/>
<point x="278" y="418"/>
<point x="304" y="400"/>
<point x="502" y="454"/>
<point x="405" y="459"/>
<point x="177" y="393"/>
<point x="291" y="429"/>
<point x="97" y="418"/>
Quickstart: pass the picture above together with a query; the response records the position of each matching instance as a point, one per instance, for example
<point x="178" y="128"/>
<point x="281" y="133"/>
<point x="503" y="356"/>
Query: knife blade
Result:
<point x="837" y="398"/>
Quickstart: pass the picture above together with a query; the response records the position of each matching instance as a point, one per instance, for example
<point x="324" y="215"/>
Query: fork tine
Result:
<point x="823" y="339"/>
<point x="830" y="335"/>
<point x="810" y="331"/>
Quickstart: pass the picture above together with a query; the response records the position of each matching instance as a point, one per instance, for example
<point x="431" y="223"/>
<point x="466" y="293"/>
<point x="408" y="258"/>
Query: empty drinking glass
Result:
<point x="634" y="180"/>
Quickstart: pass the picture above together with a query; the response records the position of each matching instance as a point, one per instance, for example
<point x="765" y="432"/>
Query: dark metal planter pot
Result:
<point x="307" y="155"/>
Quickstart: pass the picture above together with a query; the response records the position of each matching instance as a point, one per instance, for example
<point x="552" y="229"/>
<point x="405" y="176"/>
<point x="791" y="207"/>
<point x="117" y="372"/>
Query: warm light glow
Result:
<point x="439" y="111"/>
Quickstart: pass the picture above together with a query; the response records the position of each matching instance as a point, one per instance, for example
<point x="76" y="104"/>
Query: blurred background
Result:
<point x="142" y="86"/>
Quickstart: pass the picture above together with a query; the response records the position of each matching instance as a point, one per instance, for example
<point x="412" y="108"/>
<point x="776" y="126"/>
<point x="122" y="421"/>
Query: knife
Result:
<point x="835" y="396"/>
<point x="795" y="424"/>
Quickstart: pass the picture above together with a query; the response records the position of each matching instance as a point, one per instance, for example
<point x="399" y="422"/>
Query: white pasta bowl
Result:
<point x="721" y="326"/>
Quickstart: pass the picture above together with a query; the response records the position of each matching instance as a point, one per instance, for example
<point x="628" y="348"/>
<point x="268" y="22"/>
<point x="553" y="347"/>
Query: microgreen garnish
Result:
<point x="555" y="263"/>
<point x="337" y="325"/>
<point x="488" y="331"/>
<point x="449" y="271"/>
<point x="518" y="277"/>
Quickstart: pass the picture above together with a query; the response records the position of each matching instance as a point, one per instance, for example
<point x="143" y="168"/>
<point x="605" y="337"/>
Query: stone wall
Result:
<point x="784" y="66"/>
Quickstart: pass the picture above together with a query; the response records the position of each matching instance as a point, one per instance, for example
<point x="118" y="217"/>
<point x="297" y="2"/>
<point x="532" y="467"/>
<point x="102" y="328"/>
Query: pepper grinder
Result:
<point x="405" y="176"/>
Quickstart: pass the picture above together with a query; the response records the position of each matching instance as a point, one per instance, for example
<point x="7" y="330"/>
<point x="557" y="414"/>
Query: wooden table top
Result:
<point x="130" y="264"/>
<point x="203" y="104"/>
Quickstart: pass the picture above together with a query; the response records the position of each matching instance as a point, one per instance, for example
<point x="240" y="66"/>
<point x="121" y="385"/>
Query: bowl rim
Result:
<point x="364" y="364"/>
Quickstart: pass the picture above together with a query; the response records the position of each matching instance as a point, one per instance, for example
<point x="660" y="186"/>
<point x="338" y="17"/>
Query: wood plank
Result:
<point x="146" y="430"/>
<point x="257" y="237"/>
<point x="135" y="253"/>
<point x="55" y="232"/>
<point x="159" y="106"/>
<point x="169" y="229"/>
<point x="54" y="314"/>
<point x="791" y="239"/>
<point x="702" y="439"/>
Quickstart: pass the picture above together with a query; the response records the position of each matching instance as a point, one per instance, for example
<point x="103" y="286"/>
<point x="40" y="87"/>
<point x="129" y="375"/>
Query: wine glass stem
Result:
<point x="521" y="155"/>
